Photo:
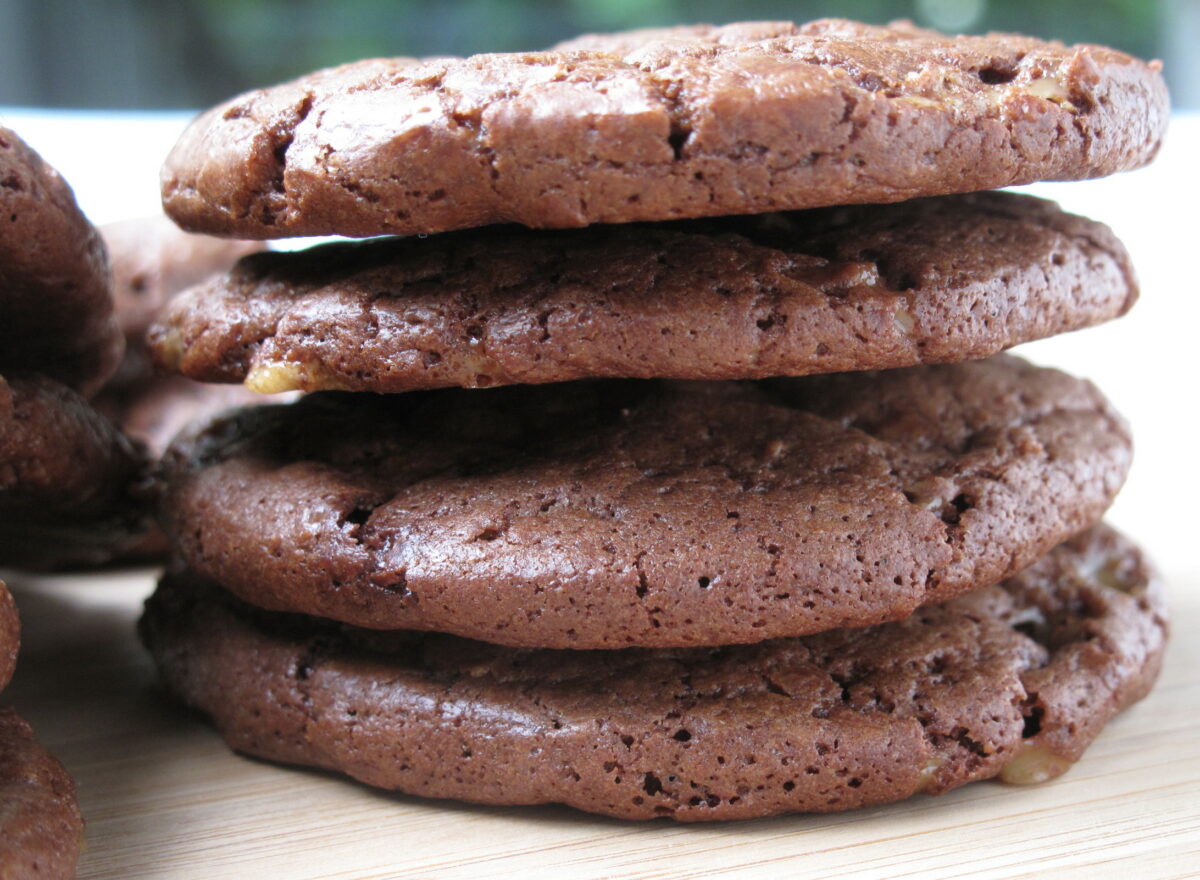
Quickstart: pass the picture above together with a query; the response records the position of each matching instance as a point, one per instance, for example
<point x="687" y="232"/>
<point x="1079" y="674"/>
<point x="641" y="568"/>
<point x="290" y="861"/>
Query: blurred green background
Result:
<point x="154" y="54"/>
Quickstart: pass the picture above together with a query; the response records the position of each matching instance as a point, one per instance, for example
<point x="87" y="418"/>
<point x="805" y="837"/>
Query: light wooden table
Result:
<point x="164" y="798"/>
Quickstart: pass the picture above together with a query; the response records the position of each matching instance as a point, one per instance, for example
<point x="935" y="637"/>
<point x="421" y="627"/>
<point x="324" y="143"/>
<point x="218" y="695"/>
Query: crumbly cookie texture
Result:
<point x="1013" y="680"/>
<point x="866" y="287"/>
<point x="659" y="125"/>
<point x="73" y="490"/>
<point x="615" y="513"/>
<point x="41" y="829"/>
<point x="56" y="309"/>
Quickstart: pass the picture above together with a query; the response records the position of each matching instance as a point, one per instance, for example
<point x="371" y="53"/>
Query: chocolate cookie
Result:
<point x="1012" y="681"/>
<point x="615" y="513"/>
<point x="694" y="122"/>
<point x="41" y="830"/>
<point x="56" y="311"/>
<point x="934" y="280"/>
<point x="72" y="488"/>
<point x="10" y="635"/>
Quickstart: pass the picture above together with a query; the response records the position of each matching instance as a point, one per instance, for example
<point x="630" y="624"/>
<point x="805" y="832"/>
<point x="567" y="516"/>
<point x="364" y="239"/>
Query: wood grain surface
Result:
<point x="164" y="798"/>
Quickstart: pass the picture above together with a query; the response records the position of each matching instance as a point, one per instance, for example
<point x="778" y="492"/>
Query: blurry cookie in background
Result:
<point x="41" y="830"/>
<point x="73" y="489"/>
<point x="152" y="261"/>
<point x="56" y="309"/>
<point x="10" y="635"/>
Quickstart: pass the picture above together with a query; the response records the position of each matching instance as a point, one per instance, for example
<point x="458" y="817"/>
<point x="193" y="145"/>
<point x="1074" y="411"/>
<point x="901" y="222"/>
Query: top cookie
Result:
<point x="56" y="310"/>
<point x="656" y="125"/>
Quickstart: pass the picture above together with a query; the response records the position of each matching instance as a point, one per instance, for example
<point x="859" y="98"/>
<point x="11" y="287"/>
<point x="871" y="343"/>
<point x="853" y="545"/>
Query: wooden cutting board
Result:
<point x="164" y="798"/>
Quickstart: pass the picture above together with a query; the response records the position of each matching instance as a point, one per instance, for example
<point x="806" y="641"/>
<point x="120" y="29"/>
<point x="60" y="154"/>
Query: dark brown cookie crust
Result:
<point x="929" y="281"/>
<point x="72" y="488"/>
<point x="56" y="310"/>
<point x="621" y="513"/>
<point x="10" y="635"/>
<point x="41" y="830"/>
<point x="1012" y="680"/>
<point x="739" y="119"/>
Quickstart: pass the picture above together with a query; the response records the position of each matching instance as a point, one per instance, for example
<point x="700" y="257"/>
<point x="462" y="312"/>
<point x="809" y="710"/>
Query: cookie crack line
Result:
<point x="277" y="190"/>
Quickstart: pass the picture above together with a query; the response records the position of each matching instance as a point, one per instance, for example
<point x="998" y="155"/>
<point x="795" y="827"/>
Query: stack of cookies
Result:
<point x="701" y="510"/>
<point x="72" y="488"/>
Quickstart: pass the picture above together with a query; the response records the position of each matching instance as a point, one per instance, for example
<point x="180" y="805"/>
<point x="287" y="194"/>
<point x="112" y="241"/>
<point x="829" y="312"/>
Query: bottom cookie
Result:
<point x="41" y="830"/>
<point x="1011" y="681"/>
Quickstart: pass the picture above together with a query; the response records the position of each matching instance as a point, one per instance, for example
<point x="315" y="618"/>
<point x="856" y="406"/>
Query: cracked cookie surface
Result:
<point x="871" y="287"/>
<point x="1013" y="680"/>
<point x="660" y="125"/>
<point x="618" y="513"/>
